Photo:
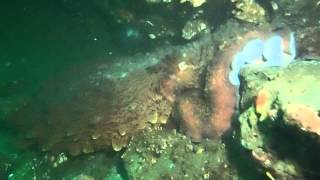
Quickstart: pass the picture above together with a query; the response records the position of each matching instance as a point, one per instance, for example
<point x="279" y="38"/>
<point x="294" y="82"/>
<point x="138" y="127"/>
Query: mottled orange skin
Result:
<point x="167" y="89"/>
<point x="223" y="100"/>
<point x="191" y="123"/>
<point x="176" y="79"/>
<point x="223" y="95"/>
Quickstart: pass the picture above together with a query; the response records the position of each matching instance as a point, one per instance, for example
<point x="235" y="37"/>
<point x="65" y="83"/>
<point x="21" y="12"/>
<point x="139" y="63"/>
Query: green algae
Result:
<point x="296" y="84"/>
<point x="167" y="154"/>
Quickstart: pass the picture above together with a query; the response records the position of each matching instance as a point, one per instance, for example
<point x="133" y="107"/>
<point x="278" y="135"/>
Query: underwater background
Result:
<point x="160" y="89"/>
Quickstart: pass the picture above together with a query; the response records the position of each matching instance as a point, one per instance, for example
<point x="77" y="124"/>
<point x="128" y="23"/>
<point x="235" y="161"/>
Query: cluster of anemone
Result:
<point x="269" y="53"/>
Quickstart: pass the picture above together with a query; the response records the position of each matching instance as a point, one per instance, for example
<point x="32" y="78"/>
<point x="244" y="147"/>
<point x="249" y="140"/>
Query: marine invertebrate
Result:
<point x="191" y="123"/>
<point x="307" y="118"/>
<point x="83" y="114"/>
<point x="249" y="48"/>
<point x="193" y="113"/>
<point x="223" y="100"/>
<point x="275" y="51"/>
<point x="263" y="102"/>
<point x="222" y="93"/>
<point x="251" y="52"/>
<point x="179" y="73"/>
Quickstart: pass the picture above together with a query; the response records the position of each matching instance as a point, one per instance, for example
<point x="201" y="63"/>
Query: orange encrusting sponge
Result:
<point x="306" y="117"/>
<point x="262" y="103"/>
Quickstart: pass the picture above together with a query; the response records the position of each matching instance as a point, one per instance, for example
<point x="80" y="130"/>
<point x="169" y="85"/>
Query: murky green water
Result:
<point x="110" y="89"/>
<point x="40" y="39"/>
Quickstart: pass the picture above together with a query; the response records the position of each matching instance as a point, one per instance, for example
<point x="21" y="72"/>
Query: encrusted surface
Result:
<point x="277" y="102"/>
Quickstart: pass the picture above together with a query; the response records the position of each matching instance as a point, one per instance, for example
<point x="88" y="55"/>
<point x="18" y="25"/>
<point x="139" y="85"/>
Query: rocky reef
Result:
<point x="250" y="11"/>
<point x="280" y="116"/>
<point x="162" y="154"/>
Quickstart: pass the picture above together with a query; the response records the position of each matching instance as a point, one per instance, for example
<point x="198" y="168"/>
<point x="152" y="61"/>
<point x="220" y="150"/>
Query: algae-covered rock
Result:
<point x="193" y="28"/>
<point x="163" y="154"/>
<point x="305" y="11"/>
<point x="292" y="90"/>
<point x="278" y="104"/>
<point x="249" y="11"/>
<point x="102" y="165"/>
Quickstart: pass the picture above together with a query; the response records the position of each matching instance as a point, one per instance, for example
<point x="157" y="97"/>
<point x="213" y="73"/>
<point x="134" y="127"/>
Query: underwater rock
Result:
<point x="250" y="11"/>
<point x="99" y="165"/>
<point x="297" y="14"/>
<point x="308" y="40"/>
<point x="193" y="28"/>
<point x="305" y="117"/>
<point x="279" y="104"/>
<point x="163" y="154"/>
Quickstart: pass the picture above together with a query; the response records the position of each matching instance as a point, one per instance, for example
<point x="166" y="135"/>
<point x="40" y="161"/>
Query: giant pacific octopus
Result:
<point x="220" y="95"/>
<point x="82" y="113"/>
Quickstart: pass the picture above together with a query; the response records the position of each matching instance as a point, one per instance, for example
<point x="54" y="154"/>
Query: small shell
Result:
<point x="274" y="6"/>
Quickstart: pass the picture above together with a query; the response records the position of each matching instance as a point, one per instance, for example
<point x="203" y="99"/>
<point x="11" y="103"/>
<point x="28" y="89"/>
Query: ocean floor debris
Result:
<point x="162" y="154"/>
